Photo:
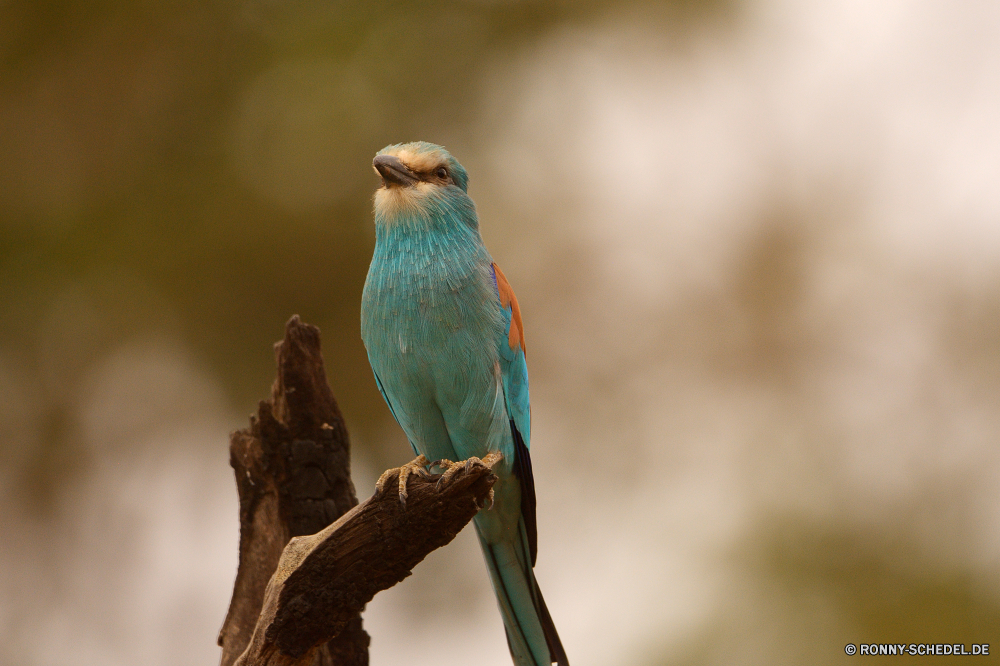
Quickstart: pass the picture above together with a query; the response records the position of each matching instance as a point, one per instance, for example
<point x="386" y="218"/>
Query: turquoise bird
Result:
<point x="444" y="337"/>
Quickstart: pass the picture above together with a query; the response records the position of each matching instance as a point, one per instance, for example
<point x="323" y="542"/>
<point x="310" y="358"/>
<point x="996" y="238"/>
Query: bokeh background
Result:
<point x="757" y="249"/>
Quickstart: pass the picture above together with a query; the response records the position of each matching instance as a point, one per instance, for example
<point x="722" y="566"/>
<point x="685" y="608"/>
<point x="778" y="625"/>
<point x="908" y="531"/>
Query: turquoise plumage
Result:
<point x="444" y="337"/>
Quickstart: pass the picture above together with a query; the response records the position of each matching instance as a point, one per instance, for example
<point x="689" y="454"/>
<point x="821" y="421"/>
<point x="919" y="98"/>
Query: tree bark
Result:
<point x="323" y="581"/>
<point x="301" y="603"/>
<point x="293" y="477"/>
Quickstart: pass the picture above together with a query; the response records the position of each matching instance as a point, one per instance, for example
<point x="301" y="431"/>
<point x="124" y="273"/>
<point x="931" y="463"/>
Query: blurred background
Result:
<point x="757" y="249"/>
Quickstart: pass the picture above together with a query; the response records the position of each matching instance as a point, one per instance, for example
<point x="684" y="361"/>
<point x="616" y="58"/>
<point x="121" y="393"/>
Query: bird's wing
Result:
<point x="385" y="396"/>
<point x="514" y="369"/>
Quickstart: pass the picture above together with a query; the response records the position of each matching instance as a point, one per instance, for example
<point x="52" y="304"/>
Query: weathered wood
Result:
<point x="292" y="468"/>
<point x="323" y="581"/>
<point x="298" y="599"/>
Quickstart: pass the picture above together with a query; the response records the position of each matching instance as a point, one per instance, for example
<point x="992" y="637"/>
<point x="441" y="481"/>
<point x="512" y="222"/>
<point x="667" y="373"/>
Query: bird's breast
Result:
<point x="425" y="307"/>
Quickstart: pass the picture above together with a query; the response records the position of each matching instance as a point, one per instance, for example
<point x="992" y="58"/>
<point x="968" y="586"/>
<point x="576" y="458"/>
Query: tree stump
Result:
<point x="298" y="599"/>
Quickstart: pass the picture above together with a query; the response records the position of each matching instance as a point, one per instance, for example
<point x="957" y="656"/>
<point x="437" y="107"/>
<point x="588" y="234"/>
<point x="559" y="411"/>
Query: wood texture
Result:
<point x="322" y="581"/>
<point x="311" y="558"/>
<point x="292" y="469"/>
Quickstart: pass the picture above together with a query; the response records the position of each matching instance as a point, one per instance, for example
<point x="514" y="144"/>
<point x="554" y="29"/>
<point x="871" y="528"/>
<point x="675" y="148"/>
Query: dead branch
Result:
<point x="292" y="468"/>
<point x="324" y="580"/>
<point x="300" y="603"/>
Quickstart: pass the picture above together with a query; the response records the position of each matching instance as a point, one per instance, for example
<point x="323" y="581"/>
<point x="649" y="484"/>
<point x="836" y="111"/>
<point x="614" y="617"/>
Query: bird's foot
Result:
<point x="416" y="466"/>
<point x="452" y="468"/>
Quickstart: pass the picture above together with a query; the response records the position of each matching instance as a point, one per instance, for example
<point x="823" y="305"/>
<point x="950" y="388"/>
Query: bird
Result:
<point x="444" y="336"/>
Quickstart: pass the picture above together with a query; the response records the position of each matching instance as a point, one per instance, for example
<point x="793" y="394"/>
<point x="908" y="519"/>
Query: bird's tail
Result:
<point x="531" y="634"/>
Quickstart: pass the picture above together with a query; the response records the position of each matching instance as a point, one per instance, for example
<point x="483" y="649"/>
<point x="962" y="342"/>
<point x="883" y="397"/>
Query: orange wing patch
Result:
<point x="508" y="300"/>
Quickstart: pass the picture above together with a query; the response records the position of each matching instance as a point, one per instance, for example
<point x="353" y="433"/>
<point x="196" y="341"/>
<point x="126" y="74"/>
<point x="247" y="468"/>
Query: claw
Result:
<point x="444" y="464"/>
<point x="452" y="468"/>
<point x="416" y="466"/>
<point x="492" y="458"/>
<point x="491" y="501"/>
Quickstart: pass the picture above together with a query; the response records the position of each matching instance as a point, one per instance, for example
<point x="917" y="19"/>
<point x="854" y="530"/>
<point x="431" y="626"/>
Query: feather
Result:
<point x="445" y="339"/>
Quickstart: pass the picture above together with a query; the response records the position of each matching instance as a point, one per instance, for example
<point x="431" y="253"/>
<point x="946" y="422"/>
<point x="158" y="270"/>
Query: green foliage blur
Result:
<point x="200" y="171"/>
<point x="204" y="169"/>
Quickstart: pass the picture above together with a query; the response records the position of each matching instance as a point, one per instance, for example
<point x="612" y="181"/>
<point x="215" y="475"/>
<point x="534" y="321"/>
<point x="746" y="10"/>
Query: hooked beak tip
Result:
<point x="393" y="171"/>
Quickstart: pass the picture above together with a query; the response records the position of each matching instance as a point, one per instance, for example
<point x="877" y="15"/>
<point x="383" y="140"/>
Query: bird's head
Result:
<point x="420" y="179"/>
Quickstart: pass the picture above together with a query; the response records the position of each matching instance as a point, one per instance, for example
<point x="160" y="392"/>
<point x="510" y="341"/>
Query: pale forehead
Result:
<point x="417" y="159"/>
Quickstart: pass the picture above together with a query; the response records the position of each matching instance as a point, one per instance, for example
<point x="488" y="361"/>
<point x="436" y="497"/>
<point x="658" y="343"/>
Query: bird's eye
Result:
<point x="441" y="173"/>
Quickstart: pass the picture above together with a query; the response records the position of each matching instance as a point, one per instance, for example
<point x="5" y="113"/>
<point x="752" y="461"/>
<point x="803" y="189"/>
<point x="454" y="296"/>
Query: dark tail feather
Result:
<point x="556" y="650"/>
<point x="526" y="619"/>
<point x="548" y="626"/>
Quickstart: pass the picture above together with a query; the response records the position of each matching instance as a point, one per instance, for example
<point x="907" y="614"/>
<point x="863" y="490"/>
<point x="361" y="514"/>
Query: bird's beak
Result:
<point x="393" y="171"/>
